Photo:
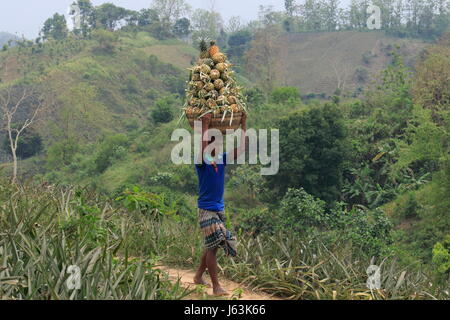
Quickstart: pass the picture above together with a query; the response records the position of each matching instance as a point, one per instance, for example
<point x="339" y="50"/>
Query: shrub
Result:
<point x="163" y="110"/>
<point x="441" y="259"/>
<point x="112" y="147"/>
<point x="285" y="94"/>
<point x="29" y="144"/>
<point x="300" y="211"/>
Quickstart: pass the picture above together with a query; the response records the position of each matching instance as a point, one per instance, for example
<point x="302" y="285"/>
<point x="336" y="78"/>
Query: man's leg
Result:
<point x="198" y="279"/>
<point x="211" y="263"/>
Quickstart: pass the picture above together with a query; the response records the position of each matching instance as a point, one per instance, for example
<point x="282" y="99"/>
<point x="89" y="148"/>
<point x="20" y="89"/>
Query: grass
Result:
<point x="44" y="233"/>
<point x="45" y="229"/>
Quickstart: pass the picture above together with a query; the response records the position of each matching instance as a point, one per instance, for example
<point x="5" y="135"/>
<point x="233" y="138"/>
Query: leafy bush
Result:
<point x="163" y="110"/>
<point x="36" y="250"/>
<point x="285" y="95"/>
<point x="300" y="211"/>
<point x="112" y="148"/>
<point x="29" y="143"/>
<point x="313" y="150"/>
<point x="441" y="259"/>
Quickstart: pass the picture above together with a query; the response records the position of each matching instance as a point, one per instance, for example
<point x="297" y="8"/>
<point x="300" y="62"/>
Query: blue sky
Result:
<point x="27" y="16"/>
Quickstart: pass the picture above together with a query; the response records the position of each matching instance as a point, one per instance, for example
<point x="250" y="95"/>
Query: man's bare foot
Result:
<point x="202" y="282"/>
<point x="218" y="291"/>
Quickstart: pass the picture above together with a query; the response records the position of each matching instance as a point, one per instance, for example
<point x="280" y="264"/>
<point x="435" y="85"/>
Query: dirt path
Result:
<point x="236" y="290"/>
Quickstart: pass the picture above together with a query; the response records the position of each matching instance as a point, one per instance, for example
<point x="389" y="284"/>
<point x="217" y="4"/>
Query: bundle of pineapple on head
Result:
<point x="212" y="86"/>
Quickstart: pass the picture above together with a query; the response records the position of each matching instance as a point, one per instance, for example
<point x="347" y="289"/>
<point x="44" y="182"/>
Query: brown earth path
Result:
<point x="235" y="290"/>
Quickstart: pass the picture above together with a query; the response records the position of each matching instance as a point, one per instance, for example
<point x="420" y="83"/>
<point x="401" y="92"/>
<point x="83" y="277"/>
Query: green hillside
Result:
<point x="364" y="175"/>
<point x="323" y="62"/>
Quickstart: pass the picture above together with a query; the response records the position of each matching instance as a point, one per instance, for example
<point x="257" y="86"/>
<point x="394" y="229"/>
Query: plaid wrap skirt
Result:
<point x="215" y="234"/>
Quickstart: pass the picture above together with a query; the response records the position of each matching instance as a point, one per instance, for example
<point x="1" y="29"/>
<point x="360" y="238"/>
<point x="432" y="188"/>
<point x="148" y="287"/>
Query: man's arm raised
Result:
<point x="206" y="120"/>
<point x="241" y="149"/>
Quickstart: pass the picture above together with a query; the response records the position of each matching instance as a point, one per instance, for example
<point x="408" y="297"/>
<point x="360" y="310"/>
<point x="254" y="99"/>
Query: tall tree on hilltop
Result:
<point x="169" y="11"/>
<point x="55" y="27"/>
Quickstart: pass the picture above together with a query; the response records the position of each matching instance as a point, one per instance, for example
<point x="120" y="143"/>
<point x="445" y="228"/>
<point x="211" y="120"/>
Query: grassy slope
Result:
<point x="90" y="91"/>
<point x="310" y="60"/>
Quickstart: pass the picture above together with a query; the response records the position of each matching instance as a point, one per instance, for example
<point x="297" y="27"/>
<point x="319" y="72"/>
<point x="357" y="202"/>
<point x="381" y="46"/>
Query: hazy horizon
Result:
<point x="33" y="13"/>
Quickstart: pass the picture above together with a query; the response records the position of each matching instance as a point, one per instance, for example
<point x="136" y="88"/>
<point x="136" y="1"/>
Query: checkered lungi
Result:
<point x="216" y="235"/>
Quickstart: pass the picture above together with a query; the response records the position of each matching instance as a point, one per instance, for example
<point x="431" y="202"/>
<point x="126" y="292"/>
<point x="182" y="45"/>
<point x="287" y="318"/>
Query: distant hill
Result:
<point x="6" y="36"/>
<point x="321" y="62"/>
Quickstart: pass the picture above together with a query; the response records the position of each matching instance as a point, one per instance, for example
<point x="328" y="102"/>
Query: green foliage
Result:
<point x="107" y="41"/>
<point x="149" y="204"/>
<point x="285" y="95"/>
<point x="61" y="153"/>
<point x="300" y="212"/>
<point x="441" y="258"/>
<point x="43" y="233"/>
<point x="182" y="27"/>
<point x="55" y="27"/>
<point x="313" y="150"/>
<point x="108" y="15"/>
<point x="164" y="110"/>
<point x="238" y="43"/>
<point x="113" y="147"/>
<point x="29" y="143"/>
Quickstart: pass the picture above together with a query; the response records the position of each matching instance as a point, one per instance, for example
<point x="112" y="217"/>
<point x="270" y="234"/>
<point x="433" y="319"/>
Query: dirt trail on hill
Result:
<point x="186" y="279"/>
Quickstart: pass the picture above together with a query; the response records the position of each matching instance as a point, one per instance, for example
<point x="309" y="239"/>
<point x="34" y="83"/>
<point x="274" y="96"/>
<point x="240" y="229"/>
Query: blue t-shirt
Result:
<point x="211" y="182"/>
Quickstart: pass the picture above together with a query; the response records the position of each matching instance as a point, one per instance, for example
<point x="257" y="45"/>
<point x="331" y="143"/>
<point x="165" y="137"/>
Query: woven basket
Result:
<point x="217" y="123"/>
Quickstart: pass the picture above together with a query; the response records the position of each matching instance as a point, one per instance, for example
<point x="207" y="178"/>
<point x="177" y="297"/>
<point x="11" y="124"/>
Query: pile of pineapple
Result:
<point x="212" y="85"/>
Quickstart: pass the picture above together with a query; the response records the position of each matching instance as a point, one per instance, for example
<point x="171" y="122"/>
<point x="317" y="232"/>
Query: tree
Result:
<point x="29" y="144"/>
<point x="164" y="110"/>
<point x="431" y="85"/>
<point x="87" y="16"/>
<point x="169" y="11"/>
<point x="290" y="5"/>
<point x="107" y="41"/>
<point x="182" y="28"/>
<point x="235" y="24"/>
<point x="55" y="28"/>
<point x="283" y="95"/>
<point x="238" y="43"/>
<point x="262" y="58"/>
<point x="147" y="17"/>
<point x="312" y="149"/>
<point x="15" y="100"/>
<point x="206" y="24"/>
<point x="108" y="16"/>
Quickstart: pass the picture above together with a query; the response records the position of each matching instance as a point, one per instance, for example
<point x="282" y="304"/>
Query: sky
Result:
<point x="26" y="17"/>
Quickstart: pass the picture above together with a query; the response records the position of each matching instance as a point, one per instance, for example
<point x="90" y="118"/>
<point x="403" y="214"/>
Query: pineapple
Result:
<point x="199" y="85"/>
<point x="204" y="54"/>
<point x="232" y="100"/>
<point x="205" y="69"/>
<point x="222" y="67"/>
<point x="209" y="62"/>
<point x="213" y="49"/>
<point x="215" y="74"/>
<point x="219" y="58"/>
<point x="212" y="86"/>
<point x="209" y="86"/>
<point x="212" y="103"/>
<point x="218" y="84"/>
